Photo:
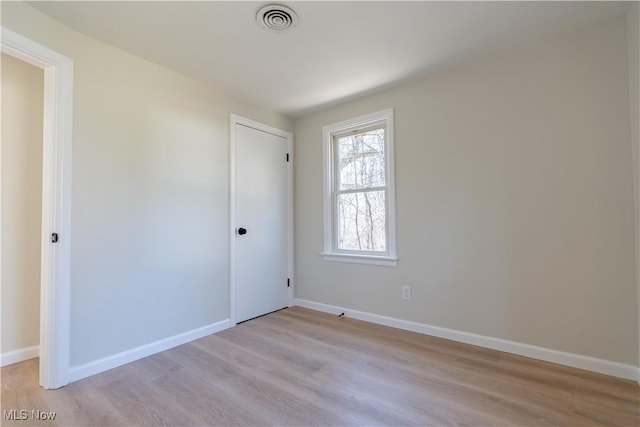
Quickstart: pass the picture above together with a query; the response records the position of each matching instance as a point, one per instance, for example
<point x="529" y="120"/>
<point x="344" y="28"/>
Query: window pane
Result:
<point x="361" y="160"/>
<point x="361" y="221"/>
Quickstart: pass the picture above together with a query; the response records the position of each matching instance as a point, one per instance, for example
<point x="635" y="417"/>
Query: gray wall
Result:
<point x="515" y="197"/>
<point x="514" y="200"/>
<point x="22" y="109"/>
<point x="150" y="226"/>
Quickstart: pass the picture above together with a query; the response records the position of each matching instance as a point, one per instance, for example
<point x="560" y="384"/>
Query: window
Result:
<point x="359" y="205"/>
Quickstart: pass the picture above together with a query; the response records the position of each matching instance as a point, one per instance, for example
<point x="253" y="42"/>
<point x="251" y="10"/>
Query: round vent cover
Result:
<point x="276" y="18"/>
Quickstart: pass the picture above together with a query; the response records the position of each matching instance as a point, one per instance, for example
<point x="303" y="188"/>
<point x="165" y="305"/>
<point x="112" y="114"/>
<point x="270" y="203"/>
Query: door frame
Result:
<point x="239" y="120"/>
<point x="56" y="204"/>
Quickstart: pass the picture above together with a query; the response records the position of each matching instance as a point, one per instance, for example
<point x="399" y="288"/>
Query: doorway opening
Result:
<point x="22" y="123"/>
<point x="55" y="236"/>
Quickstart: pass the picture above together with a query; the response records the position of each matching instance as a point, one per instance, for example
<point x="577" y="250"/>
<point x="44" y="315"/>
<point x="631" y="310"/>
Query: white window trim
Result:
<point x="330" y="254"/>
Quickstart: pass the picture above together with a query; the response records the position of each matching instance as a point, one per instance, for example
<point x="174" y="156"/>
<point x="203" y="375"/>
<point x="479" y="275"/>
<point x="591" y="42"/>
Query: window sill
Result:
<point x="384" y="261"/>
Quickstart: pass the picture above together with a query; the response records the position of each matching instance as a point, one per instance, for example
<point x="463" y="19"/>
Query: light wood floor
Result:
<point x="301" y="367"/>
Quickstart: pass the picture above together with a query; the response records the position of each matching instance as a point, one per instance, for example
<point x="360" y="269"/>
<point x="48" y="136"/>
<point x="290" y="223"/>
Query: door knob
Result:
<point x="242" y="231"/>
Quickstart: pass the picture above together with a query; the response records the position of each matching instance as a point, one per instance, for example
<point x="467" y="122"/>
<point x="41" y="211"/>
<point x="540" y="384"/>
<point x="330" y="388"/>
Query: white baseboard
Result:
<point x="83" y="371"/>
<point x="588" y="363"/>
<point x="20" y="355"/>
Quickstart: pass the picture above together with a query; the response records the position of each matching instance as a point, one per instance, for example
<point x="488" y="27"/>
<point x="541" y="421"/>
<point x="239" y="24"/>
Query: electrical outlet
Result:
<point x="406" y="292"/>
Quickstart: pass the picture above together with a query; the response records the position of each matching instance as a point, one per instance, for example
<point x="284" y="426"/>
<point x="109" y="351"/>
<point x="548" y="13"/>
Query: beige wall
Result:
<point x="515" y="197"/>
<point x="633" y="46"/>
<point x="514" y="200"/>
<point x="150" y="226"/>
<point x="22" y="107"/>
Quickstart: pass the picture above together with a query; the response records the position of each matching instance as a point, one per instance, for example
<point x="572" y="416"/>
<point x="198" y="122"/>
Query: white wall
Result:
<point x="514" y="200"/>
<point x="633" y="46"/>
<point x="150" y="226"/>
<point x="22" y="115"/>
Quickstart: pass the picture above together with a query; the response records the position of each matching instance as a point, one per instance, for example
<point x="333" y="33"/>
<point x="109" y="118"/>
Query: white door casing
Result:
<point x="261" y="203"/>
<point x="56" y="204"/>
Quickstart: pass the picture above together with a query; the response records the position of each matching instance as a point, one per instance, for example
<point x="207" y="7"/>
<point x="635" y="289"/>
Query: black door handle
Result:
<point x="242" y="231"/>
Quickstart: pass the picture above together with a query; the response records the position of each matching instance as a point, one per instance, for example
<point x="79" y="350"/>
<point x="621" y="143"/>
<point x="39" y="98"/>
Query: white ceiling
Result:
<point x="339" y="50"/>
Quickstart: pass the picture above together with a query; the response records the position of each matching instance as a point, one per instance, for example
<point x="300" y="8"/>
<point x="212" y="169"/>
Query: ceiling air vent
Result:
<point x="276" y="18"/>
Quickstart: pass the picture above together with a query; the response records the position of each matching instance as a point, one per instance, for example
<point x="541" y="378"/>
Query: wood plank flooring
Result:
<point x="299" y="367"/>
